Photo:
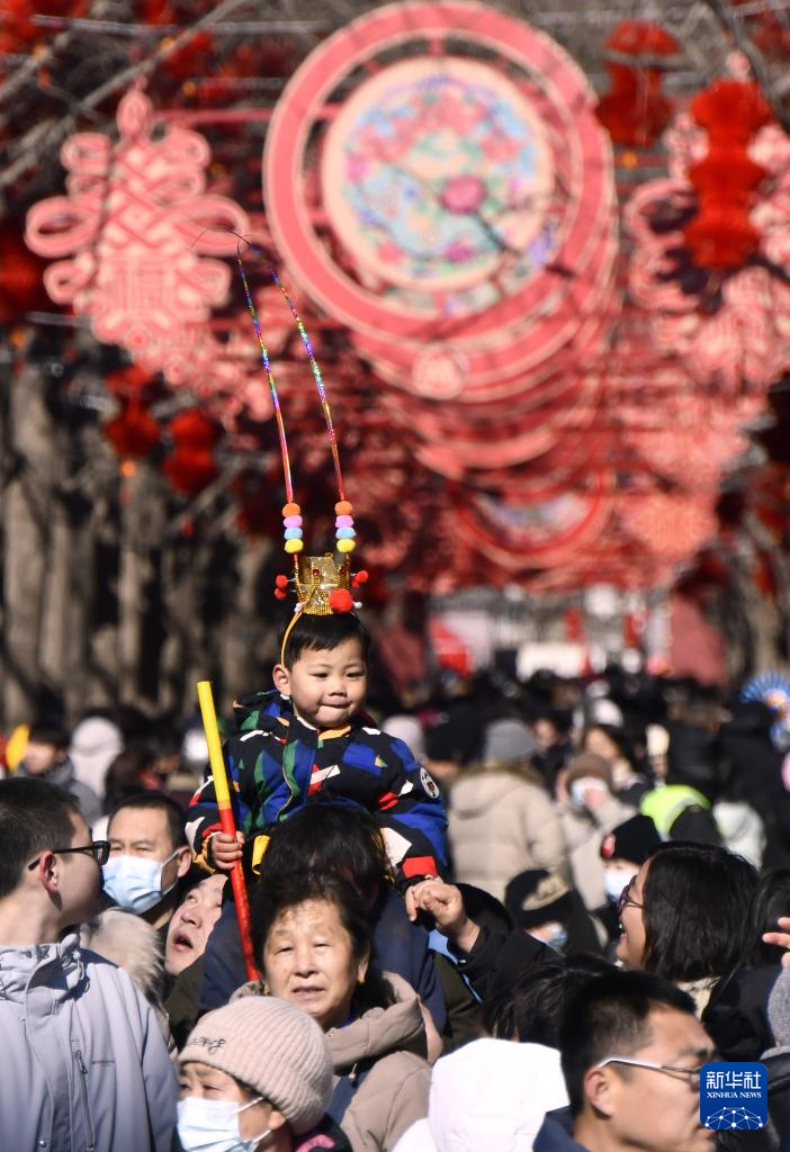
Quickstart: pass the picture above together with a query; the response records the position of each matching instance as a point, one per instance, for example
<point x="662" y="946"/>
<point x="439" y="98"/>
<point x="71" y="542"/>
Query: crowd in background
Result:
<point x="609" y="915"/>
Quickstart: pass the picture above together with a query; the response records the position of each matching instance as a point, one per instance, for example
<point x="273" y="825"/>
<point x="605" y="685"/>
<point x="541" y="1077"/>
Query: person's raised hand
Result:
<point x="446" y="904"/>
<point x="226" y="850"/>
<point x="782" y="939"/>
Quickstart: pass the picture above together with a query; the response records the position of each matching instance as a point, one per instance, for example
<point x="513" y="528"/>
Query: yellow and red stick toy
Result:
<point x="222" y="792"/>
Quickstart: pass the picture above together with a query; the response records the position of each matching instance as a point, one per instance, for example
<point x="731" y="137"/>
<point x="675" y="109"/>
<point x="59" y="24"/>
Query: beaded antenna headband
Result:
<point x="323" y="584"/>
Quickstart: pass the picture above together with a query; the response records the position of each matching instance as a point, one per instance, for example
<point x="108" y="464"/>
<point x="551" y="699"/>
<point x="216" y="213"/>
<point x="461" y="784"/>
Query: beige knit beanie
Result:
<point x="271" y="1047"/>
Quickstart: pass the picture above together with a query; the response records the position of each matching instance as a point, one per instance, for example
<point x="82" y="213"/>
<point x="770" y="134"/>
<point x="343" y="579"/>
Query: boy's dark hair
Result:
<point x="271" y="898"/>
<point x="531" y="1011"/>
<point x="697" y="911"/>
<point x="329" y="838"/>
<point x="34" y="816"/>
<point x="322" y="633"/>
<point x="157" y="801"/>
<point x="610" y="1016"/>
<point x="44" y="732"/>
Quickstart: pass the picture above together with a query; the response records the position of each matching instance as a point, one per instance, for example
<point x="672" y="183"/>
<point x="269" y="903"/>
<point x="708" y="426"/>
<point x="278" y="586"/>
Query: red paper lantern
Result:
<point x="635" y="111"/>
<point x="134" y="434"/>
<point x="259" y="513"/>
<point x="187" y="60"/>
<point x="157" y="12"/>
<point x="21" y="277"/>
<point x="728" y="168"/>
<point x="128" y="381"/>
<point x="194" y="429"/>
<point x="190" y="470"/>
<point x="16" y="20"/>
<point x="721" y="236"/>
<point x="731" y="111"/>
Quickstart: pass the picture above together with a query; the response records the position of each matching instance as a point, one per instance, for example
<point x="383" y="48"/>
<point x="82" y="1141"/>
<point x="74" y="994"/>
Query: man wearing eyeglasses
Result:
<point x="84" y="1062"/>
<point x="632" y="1051"/>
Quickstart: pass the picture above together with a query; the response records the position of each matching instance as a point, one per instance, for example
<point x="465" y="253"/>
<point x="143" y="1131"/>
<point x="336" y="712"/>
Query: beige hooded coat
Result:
<point x="501" y="824"/>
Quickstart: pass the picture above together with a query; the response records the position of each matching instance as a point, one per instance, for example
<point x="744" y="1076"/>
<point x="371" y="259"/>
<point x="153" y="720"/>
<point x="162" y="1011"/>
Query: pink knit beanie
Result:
<point x="271" y="1047"/>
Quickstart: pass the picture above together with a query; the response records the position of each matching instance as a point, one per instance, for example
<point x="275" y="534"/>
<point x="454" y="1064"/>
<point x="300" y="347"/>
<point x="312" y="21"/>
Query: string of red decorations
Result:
<point x="722" y="234"/>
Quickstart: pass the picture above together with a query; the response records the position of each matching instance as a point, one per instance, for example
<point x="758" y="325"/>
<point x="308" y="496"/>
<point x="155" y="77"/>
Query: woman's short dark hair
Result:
<point x="772" y="900"/>
<point x="621" y="740"/>
<point x="697" y="911"/>
<point x="329" y="838"/>
<point x="322" y="634"/>
<point x="272" y="897"/>
<point x="123" y="775"/>
<point x="531" y="1011"/>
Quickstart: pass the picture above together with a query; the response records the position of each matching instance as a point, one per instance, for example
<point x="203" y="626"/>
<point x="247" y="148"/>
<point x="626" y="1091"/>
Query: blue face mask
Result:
<point x="556" y="938"/>
<point x="135" y="883"/>
<point x="213" y="1126"/>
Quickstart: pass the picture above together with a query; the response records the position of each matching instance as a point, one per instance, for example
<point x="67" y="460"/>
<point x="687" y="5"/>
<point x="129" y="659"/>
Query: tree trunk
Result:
<point x="27" y="520"/>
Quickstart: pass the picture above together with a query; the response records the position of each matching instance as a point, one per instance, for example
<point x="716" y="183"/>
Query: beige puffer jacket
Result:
<point x="502" y="824"/>
<point x="393" y="1094"/>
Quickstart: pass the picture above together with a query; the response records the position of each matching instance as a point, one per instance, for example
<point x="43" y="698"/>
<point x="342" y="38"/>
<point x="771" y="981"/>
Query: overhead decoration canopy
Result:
<point x="542" y="375"/>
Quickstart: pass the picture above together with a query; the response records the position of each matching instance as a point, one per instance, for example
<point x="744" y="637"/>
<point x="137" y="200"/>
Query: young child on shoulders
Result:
<point x="309" y="738"/>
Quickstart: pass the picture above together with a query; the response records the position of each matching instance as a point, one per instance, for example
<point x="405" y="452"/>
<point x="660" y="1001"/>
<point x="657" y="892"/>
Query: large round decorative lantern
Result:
<point x="435" y="178"/>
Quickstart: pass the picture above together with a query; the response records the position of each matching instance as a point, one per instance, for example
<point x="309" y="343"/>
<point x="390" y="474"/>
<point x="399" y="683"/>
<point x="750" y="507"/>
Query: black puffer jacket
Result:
<point x="768" y="1139"/>
<point x="737" y="1013"/>
<point x="752" y="767"/>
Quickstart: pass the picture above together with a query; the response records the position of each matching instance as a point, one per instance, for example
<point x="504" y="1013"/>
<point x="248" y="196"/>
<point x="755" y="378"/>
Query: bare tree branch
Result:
<point x="46" y="136"/>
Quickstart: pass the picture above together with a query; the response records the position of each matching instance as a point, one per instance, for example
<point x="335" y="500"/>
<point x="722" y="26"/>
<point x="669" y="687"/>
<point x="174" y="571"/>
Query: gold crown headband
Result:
<point x="323" y="585"/>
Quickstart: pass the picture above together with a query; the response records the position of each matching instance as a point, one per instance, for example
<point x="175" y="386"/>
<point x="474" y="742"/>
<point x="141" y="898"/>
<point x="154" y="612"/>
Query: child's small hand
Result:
<point x="226" y="850"/>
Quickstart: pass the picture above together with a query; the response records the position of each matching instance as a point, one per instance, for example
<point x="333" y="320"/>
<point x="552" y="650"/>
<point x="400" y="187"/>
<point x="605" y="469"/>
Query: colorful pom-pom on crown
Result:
<point x="323" y="584"/>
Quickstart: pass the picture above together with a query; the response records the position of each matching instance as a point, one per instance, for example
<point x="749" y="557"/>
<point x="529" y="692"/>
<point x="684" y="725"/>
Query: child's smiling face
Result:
<point x="328" y="686"/>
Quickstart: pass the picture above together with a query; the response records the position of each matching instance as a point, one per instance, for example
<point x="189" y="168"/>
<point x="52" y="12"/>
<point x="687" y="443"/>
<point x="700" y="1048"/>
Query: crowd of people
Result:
<point x="506" y="917"/>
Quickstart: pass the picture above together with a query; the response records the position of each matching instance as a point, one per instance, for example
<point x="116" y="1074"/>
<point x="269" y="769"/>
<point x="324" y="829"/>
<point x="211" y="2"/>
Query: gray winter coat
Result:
<point x="85" y="1068"/>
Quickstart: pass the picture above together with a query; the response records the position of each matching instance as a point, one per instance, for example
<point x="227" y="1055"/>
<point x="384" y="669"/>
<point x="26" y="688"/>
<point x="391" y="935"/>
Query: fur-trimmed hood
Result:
<point x="131" y="943"/>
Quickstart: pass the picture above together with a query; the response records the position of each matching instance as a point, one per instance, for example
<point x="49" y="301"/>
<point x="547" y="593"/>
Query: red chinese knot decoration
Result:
<point x="134" y="236"/>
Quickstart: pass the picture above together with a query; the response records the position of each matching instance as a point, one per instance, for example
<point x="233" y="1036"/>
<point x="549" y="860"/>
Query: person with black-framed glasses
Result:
<point x="98" y="850"/>
<point x="632" y="1053"/>
<point x="84" y="1061"/>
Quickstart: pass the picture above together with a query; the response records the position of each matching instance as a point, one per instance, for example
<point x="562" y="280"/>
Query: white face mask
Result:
<point x="213" y="1126"/>
<point x="579" y="789"/>
<point x="135" y="882"/>
<point x="615" y="880"/>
